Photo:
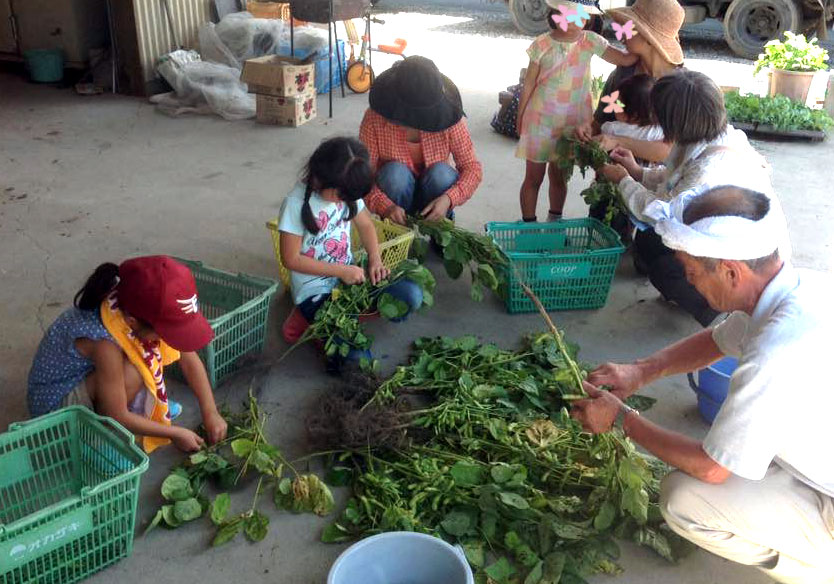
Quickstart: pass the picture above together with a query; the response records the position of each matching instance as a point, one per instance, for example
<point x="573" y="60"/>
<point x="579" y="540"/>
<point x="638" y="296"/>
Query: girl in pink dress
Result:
<point x="557" y="98"/>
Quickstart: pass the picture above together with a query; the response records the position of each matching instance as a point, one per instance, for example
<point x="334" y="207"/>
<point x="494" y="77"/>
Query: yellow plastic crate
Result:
<point x="394" y="244"/>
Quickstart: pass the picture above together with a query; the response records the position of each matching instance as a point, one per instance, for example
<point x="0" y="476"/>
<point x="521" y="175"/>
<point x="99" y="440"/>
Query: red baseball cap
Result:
<point x="162" y="292"/>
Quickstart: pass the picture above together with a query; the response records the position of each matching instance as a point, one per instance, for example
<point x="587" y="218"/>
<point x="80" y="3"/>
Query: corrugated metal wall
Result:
<point x="153" y="33"/>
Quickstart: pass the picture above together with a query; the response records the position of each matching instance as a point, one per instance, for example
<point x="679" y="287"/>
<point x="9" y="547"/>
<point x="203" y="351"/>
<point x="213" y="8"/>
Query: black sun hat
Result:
<point x="416" y="94"/>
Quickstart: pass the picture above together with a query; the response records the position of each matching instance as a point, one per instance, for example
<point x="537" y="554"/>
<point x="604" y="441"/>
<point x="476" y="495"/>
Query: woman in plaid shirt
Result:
<point x="414" y="126"/>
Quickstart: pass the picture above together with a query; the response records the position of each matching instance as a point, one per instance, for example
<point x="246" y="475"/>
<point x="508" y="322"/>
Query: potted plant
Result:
<point x="793" y="63"/>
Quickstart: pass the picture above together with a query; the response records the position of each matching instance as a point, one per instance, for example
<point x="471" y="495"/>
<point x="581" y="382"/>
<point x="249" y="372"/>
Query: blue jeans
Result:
<point x="414" y="193"/>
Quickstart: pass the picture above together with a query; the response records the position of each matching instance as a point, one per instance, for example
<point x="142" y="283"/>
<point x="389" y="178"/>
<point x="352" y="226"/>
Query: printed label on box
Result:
<point x="566" y="271"/>
<point x="45" y="538"/>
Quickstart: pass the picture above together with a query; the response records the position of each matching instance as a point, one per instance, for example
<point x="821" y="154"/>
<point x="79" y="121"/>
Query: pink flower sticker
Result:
<point x="624" y="30"/>
<point x="615" y="106"/>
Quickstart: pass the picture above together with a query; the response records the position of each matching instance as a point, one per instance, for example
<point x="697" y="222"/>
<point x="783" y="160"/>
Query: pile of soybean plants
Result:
<point x="474" y="444"/>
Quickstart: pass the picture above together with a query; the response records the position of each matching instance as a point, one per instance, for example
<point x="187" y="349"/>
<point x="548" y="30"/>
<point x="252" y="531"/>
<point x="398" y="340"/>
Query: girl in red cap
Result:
<point x="108" y="351"/>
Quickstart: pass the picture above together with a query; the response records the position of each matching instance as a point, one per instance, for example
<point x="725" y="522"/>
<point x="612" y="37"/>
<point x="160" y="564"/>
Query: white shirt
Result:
<point x="331" y="244"/>
<point x="780" y="406"/>
<point x="644" y="133"/>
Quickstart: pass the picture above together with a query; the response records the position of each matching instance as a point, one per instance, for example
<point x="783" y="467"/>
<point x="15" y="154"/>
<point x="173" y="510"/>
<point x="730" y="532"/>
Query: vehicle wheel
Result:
<point x="359" y="77"/>
<point x="749" y="24"/>
<point x="529" y="16"/>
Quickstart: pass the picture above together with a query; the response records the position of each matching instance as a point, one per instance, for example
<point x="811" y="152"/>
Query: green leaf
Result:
<point x="501" y="472"/>
<point x="285" y="486"/>
<point x="220" y="508"/>
<point x="188" y="510"/>
<point x="256" y="526"/>
<point x="476" y="292"/>
<point x="605" y="517"/>
<point x="641" y="403"/>
<point x="453" y="268"/>
<point x="242" y="447"/>
<point x="169" y="516"/>
<point x="489" y="525"/>
<point x="262" y="462"/>
<point x="457" y="523"/>
<point x="500" y="571"/>
<point x="635" y="502"/>
<point x="536" y="574"/>
<point x="487" y="276"/>
<point x="467" y="474"/>
<point x="513" y="500"/>
<point x="339" y="476"/>
<point x="554" y="565"/>
<point x="154" y="522"/>
<point x="391" y="307"/>
<point x="198" y="458"/>
<point x="176" y="488"/>
<point x="474" y="551"/>
<point x="570" y="531"/>
<point x="484" y="391"/>
<point x="227" y="532"/>
<point x="334" y="533"/>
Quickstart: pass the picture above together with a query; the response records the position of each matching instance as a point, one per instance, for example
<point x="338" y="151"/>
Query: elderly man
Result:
<point x="759" y="489"/>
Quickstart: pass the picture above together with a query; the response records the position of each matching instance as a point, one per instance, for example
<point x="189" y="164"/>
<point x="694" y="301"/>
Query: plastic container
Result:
<point x="237" y="307"/>
<point x="569" y="264"/>
<point x="401" y="557"/>
<point x="394" y="244"/>
<point x="44" y="65"/>
<point x="69" y="483"/>
<point x="712" y="386"/>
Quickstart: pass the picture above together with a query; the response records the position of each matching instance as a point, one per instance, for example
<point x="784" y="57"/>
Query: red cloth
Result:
<point x="294" y="326"/>
<point x="386" y="142"/>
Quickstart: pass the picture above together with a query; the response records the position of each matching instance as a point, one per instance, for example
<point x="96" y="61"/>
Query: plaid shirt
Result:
<point x="386" y="142"/>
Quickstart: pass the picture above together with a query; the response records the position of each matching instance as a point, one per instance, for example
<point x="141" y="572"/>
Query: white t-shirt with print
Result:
<point x="780" y="404"/>
<point x="331" y="244"/>
<point x="633" y="131"/>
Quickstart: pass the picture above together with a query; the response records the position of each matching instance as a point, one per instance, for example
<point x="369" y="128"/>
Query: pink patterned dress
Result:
<point x="561" y="100"/>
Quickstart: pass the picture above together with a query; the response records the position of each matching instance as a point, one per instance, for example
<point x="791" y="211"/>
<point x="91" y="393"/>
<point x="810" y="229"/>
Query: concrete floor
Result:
<point x="90" y="179"/>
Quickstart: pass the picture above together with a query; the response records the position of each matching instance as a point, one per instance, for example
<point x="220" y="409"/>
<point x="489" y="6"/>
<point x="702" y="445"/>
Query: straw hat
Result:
<point x="659" y="22"/>
<point x="591" y="6"/>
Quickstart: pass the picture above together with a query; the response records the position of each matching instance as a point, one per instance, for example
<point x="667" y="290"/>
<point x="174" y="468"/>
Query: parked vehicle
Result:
<point x="748" y="24"/>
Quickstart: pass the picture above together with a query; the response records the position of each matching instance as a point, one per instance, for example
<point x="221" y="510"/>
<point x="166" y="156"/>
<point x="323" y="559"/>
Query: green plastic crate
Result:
<point x="69" y="482"/>
<point x="569" y="264"/>
<point x="237" y="307"/>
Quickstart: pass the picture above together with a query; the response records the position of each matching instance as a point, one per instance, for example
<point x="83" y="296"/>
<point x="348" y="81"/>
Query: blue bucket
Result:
<point x="45" y="65"/>
<point x="401" y="557"/>
<point x="712" y="386"/>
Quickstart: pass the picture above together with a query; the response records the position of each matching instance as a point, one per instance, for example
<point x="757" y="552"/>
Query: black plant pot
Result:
<point x="319" y="10"/>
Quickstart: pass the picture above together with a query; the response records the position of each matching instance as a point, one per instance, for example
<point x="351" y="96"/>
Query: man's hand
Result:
<point x="606" y="142"/>
<point x="187" y="441"/>
<point x="437" y="209"/>
<point x="623" y="380"/>
<point x="584" y="132"/>
<point x="352" y="275"/>
<point x="216" y="427"/>
<point x="598" y="412"/>
<point x="625" y="157"/>
<point x="396" y="214"/>
<point x="377" y="270"/>
<point x="614" y="172"/>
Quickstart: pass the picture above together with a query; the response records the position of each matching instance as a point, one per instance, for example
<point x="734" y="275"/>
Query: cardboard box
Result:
<point x="280" y="76"/>
<point x="286" y="111"/>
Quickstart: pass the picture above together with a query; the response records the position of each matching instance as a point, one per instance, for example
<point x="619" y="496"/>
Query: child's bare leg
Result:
<point x="558" y="189"/>
<point x="132" y="378"/>
<point x="533" y="178"/>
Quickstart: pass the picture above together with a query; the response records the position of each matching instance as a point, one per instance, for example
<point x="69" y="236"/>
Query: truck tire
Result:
<point x="529" y="16"/>
<point x="749" y="24"/>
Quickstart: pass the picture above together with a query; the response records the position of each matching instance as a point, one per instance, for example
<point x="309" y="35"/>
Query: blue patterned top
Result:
<point x="58" y="367"/>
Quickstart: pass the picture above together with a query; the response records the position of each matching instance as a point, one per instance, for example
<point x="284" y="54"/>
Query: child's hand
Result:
<point x="584" y="132"/>
<point x="216" y="427"/>
<point x="352" y="275"/>
<point x="606" y="142"/>
<point x="377" y="270"/>
<point x="614" y="172"/>
<point x="625" y="157"/>
<point x="187" y="441"/>
<point x="396" y="214"/>
<point x="437" y="209"/>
